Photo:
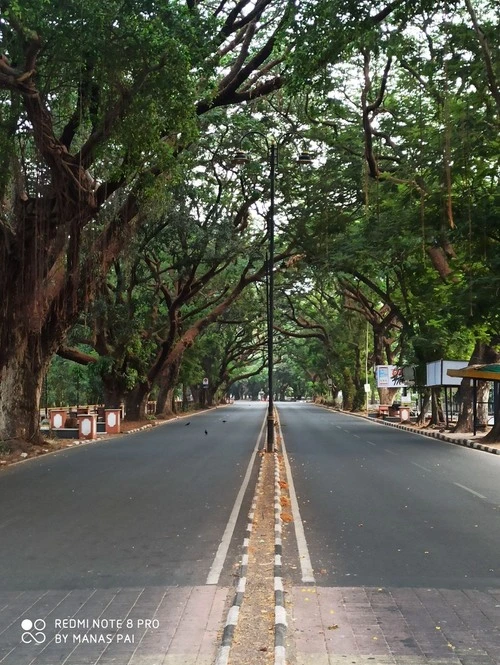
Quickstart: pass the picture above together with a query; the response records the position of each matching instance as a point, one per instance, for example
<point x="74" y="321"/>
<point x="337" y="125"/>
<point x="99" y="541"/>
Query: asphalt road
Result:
<point x="143" y="510"/>
<point x="383" y="507"/>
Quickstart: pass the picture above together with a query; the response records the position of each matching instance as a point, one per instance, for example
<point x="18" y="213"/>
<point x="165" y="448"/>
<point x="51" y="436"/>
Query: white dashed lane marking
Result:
<point x="424" y="468"/>
<point x="468" y="489"/>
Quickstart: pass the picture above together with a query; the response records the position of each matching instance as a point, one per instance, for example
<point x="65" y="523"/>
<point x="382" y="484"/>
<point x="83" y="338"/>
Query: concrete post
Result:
<point x="57" y="418"/>
<point x="87" y="426"/>
<point x="112" y="418"/>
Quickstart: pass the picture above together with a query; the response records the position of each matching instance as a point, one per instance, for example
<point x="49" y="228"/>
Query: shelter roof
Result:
<point x="486" y="372"/>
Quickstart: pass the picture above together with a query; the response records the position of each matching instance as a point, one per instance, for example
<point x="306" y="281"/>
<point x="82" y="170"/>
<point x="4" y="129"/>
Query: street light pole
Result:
<point x="241" y="158"/>
<point x="270" y="304"/>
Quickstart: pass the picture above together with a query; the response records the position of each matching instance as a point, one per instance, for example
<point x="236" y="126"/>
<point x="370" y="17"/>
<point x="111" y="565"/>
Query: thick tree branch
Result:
<point x="76" y="355"/>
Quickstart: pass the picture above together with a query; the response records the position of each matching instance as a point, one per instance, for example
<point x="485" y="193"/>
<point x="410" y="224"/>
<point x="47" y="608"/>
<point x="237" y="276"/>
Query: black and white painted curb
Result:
<point x="468" y="443"/>
<point x="280" y="621"/>
<point x="234" y="610"/>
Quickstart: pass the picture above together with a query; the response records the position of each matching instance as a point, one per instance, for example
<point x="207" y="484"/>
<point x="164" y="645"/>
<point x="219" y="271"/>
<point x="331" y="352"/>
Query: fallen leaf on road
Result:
<point x="333" y="627"/>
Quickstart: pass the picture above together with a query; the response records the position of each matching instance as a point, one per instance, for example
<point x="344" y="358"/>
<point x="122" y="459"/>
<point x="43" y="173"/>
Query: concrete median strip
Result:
<point x="280" y="622"/>
<point x="234" y="610"/>
<point x="253" y="626"/>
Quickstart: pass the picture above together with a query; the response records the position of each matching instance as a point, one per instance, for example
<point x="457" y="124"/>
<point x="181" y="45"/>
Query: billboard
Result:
<point x="437" y="372"/>
<point x="390" y="376"/>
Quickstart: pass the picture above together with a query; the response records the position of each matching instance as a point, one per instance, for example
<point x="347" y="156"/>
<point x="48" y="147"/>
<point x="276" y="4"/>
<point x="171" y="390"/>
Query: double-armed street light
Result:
<point x="241" y="157"/>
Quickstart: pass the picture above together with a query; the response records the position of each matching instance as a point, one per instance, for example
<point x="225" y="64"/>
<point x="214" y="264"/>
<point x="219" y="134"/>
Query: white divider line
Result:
<point x="305" y="559"/>
<point x="280" y="620"/>
<point x="468" y="489"/>
<point x="234" y="611"/>
<point x="221" y="554"/>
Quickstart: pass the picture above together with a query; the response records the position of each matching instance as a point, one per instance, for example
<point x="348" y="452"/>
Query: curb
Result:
<point x="280" y="620"/>
<point x="467" y="443"/>
<point x="234" y="610"/>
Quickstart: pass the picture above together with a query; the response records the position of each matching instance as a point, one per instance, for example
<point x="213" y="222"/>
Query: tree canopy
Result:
<point x="121" y="213"/>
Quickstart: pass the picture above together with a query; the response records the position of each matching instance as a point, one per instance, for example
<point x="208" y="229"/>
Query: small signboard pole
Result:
<point x="205" y="391"/>
<point x="474" y="406"/>
<point x="367" y="391"/>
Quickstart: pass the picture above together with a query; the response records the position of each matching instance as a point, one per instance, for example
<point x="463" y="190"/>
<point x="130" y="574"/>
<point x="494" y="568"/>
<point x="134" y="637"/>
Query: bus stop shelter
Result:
<point x="438" y="377"/>
<point x="480" y="373"/>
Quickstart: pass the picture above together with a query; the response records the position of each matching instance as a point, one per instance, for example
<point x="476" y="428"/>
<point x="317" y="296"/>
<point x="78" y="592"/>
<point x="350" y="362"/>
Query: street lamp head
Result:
<point x="240" y="157"/>
<point x="305" y="158"/>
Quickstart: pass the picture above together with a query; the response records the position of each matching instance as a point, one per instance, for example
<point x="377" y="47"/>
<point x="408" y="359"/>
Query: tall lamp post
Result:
<point x="241" y="157"/>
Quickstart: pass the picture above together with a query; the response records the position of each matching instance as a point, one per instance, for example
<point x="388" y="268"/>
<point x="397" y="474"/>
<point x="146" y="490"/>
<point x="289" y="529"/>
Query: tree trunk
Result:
<point x="437" y="415"/>
<point x="165" y="402"/>
<point x="113" y="392"/>
<point x="493" y="435"/>
<point x="185" y="401"/>
<point x="195" y="393"/>
<point x="211" y="395"/>
<point x="421" y="420"/>
<point x="136" y="402"/>
<point x="348" y="390"/>
<point x="465" y="415"/>
<point x="21" y="383"/>
<point x="168" y="381"/>
<point x="202" y="395"/>
<point x="483" y="394"/>
<point x="387" y="395"/>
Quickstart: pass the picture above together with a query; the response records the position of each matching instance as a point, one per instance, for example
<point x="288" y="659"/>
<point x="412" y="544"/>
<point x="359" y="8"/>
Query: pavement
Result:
<point x="395" y="626"/>
<point x="133" y="626"/>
